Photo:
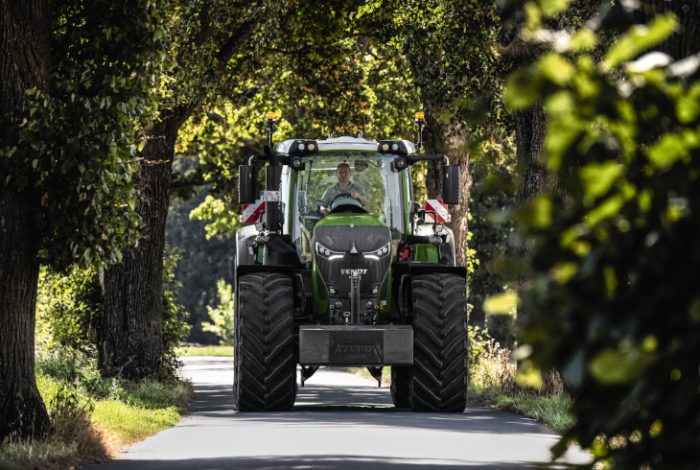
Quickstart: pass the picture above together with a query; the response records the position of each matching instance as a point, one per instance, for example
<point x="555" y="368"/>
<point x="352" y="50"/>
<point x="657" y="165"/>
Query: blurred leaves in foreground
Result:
<point x="613" y="300"/>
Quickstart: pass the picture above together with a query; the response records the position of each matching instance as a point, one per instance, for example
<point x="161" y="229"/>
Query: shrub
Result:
<point x="222" y="315"/>
<point x="68" y="309"/>
<point x="175" y="327"/>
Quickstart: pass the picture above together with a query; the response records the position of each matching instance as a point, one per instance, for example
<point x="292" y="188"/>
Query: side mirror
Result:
<point x="450" y="184"/>
<point x="246" y="184"/>
<point x="361" y="165"/>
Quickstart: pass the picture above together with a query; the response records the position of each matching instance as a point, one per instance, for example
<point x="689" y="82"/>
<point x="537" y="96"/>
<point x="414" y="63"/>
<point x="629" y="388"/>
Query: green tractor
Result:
<point x="343" y="268"/>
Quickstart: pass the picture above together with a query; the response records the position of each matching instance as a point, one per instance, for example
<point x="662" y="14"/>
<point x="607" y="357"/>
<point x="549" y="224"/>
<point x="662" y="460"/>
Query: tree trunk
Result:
<point x="451" y="141"/>
<point x="529" y="138"/>
<point x="24" y="63"/>
<point x="131" y="338"/>
<point x="22" y="412"/>
<point x="687" y="40"/>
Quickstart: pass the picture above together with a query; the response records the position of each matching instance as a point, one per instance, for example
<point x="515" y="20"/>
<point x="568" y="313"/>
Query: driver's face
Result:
<point x="343" y="174"/>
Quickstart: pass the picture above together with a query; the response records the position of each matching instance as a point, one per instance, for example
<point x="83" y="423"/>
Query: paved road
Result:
<point x="340" y="421"/>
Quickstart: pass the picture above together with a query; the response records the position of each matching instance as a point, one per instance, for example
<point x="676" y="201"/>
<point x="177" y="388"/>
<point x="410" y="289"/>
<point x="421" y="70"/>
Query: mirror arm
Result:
<point x="428" y="158"/>
<point x="283" y="159"/>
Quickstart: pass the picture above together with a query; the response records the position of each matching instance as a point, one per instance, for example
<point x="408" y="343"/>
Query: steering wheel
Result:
<point x="339" y="195"/>
<point x="349" y="200"/>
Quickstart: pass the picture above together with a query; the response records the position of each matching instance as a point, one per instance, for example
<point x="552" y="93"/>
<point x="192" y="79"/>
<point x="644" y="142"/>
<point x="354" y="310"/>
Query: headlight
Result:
<point x="378" y="254"/>
<point x="327" y="252"/>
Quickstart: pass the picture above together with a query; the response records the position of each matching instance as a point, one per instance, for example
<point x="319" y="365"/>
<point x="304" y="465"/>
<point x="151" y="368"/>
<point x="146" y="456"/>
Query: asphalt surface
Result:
<point x="339" y="421"/>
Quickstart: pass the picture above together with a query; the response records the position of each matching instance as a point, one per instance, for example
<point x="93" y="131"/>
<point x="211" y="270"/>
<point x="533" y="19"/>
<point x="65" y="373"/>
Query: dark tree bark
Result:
<point x="131" y="332"/>
<point x="24" y="63"/>
<point x="687" y="40"/>
<point x="529" y="138"/>
<point x="451" y="141"/>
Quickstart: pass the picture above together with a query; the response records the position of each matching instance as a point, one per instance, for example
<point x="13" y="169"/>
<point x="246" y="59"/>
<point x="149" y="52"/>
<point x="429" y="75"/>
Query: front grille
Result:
<point x="353" y="240"/>
<point x="336" y="273"/>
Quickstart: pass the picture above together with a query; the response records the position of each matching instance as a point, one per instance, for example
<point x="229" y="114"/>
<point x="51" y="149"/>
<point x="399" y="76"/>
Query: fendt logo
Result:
<point x="355" y="349"/>
<point x="353" y="272"/>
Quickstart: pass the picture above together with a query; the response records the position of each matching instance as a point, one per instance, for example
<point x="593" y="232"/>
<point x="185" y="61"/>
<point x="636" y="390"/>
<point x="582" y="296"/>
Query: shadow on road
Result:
<point x="358" y="406"/>
<point x="316" y="462"/>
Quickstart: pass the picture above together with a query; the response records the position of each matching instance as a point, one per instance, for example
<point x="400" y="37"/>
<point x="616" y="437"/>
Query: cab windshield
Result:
<point x="337" y="183"/>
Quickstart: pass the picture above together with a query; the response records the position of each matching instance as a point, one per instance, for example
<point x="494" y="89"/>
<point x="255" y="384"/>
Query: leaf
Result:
<point x="638" y="39"/>
<point x="613" y="366"/>
<point x="598" y="178"/>
<point x="688" y="105"/>
<point x="522" y="89"/>
<point x="529" y="376"/>
<point x="564" y="272"/>
<point x="610" y="281"/>
<point x="667" y="151"/>
<point x="583" y="40"/>
<point x="609" y="207"/>
<point x="537" y="213"/>
<point x="560" y="136"/>
<point x="553" y="7"/>
<point x="556" y="69"/>
<point x="506" y="302"/>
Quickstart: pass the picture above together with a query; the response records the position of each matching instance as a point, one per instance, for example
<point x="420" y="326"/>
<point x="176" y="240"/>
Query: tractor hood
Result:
<point x="352" y="253"/>
<point x="352" y="233"/>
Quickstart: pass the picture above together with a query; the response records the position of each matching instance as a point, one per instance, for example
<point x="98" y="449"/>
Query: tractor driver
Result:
<point x="344" y="185"/>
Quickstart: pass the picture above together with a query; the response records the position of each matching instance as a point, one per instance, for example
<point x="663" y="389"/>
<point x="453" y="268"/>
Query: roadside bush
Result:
<point x="494" y="368"/>
<point x="68" y="309"/>
<point x="175" y="326"/>
<point x="222" y="315"/>
<point x="614" y="301"/>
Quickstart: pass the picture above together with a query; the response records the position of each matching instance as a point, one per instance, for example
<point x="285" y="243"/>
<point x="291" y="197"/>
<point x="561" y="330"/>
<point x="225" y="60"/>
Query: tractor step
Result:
<point x="356" y="345"/>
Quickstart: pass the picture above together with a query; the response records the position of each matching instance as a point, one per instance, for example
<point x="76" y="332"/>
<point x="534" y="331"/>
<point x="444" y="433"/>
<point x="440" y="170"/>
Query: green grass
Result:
<point x="128" y="423"/>
<point x="205" y="350"/>
<point x="138" y="411"/>
<point x="552" y="410"/>
<point x="91" y="426"/>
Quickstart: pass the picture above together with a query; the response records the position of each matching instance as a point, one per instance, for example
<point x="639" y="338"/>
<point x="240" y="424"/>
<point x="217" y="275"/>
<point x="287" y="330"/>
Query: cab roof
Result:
<point x="339" y="144"/>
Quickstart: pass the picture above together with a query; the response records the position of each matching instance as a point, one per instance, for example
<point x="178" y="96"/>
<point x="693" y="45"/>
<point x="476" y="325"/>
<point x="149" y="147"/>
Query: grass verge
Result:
<point x="552" y="410"/>
<point x="92" y="418"/>
<point x="493" y="382"/>
<point x="204" y="350"/>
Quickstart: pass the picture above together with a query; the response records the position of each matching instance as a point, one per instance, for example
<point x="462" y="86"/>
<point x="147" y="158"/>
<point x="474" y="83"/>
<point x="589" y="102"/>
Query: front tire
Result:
<point x="401" y="386"/>
<point x="439" y="372"/>
<point x="264" y="365"/>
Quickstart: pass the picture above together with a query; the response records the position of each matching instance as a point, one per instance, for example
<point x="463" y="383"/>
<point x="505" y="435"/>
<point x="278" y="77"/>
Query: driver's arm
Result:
<point x="359" y="193"/>
<point x="326" y="199"/>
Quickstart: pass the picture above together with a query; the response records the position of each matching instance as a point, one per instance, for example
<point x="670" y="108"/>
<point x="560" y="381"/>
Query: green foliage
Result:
<point x="70" y="150"/>
<point x="202" y="262"/>
<point x="222" y="315"/>
<point x="175" y="327"/>
<point x="68" y="314"/>
<point x="479" y="341"/>
<point x="364" y="87"/>
<point x="68" y="309"/>
<point x="612" y="300"/>
<point x="492" y="195"/>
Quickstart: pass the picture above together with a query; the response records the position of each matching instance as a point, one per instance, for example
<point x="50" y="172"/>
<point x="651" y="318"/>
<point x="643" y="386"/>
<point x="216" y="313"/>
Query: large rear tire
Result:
<point x="439" y="372"/>
<point x="264" y="365"/>
<point x="401" y="386"/>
